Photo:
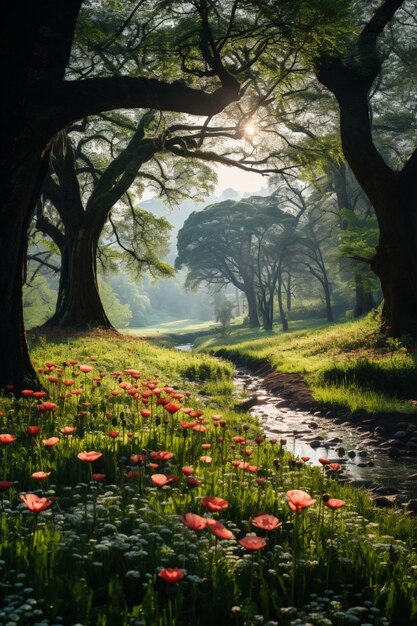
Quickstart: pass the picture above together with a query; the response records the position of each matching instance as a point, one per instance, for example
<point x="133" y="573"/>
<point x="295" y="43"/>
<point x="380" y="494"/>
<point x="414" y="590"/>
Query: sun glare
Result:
<point x="249" y="129"/>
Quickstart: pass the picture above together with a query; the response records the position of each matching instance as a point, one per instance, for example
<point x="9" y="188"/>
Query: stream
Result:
<point x="315" y="436"/>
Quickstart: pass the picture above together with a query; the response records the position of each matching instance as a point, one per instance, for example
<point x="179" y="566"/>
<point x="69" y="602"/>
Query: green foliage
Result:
<point x="119" y="314"/>
<point x="38" y="302"/>
<point x="224" y="314"/>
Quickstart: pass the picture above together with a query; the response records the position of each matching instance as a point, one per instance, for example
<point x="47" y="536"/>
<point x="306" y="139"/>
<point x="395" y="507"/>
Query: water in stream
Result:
<point x="362" y="462"/>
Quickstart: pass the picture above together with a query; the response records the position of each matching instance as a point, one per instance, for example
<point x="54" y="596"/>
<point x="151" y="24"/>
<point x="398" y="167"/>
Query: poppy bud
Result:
<point x="276" y="463"/>
<point x="114" y="421"/>
<point x="157" y="421"/>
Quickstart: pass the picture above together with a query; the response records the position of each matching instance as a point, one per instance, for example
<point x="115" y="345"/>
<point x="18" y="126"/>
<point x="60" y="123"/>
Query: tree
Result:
<point x="217" y="249"/>
<point x="236" y="242"/>
<point x="84" y="209"/>
<point x="351" y="76"/>
<point x="38" y="103"/>
<point x="224" y="314"/>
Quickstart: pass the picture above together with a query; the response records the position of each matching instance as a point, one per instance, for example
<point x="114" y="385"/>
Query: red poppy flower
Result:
<point x="40" y="475"/>
<point x="145" y="412"/>
<point x="171" y="576"/>
<point x="113" y="434"/>
<point x="68" y="382"/>
<point x="76" y="392"/>
<point x="137" y="458"/>
<point x="252" y="542"/>
<point x="199" y="428"/>
<point x="218" y="529"/>
<point x="53" y="379"/>
<point x="5" y="485"/>
<point x="52" y="441"/>
<point x="33" y="430"/>
<point x="305" y="458"/>
<point x="160" y="480"/>
<point x="324" y="461"/>
<point x="266" y="522"/>
<point x="161" y="455"/>
<point x="89" y="457"/>
<point x="213" y="503"/>
<point x="68" y="430"/>
<point x="187" y="470"/>
<point x="47" y="406"/>
<point x="333" y="503"/>
<point x="39" y="394"/>
<point x="132" y="474"/>
<point x="36" y="504"/>
<point x="283" y="441"/>
<point x="99" y="477"/>
<point x="260" y="480"/>
<point x="7" y="438"/>
<point x="334" y="467"/>
<point x="216" y="417"/>
<point x="206" y="446"/>
<point x="206" y="459"/>
<point x="133" y="373"/>
<point x="272" y="440"/>
<point x="85" y="368"/>
<point x="187" y="424"/>
<point x="194" y="521"/>
<point x="192" y="482"/>
<point x="299" y="500"/>
<point x="115" y="392"/>
<point x="26" y="393"/>
<point x="172" y="407"/>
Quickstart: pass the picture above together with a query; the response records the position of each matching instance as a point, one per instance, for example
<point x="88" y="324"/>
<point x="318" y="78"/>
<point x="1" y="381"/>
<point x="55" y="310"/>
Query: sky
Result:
<point x="239" y="180"/>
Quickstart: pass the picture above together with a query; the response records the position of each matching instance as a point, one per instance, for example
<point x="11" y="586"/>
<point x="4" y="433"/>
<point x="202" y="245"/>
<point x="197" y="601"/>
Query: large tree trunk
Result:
<point x="395" y="264"/>
<point x="80" y="304"/>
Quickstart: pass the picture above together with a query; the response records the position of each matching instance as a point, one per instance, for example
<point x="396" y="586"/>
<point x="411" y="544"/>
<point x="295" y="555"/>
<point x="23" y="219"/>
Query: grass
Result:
<point x="99" y="553"/>
<point x="346" y="363"/>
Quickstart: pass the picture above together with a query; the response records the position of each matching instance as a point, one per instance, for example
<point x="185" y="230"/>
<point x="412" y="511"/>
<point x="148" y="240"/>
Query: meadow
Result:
<point x="135" y="493"/>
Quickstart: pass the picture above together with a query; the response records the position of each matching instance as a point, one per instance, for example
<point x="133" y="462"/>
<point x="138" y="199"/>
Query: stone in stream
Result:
<point x="362" y="453"/>
<point x="400" y="434"/>
<point x="351" y="454"/>
<point x="385" y="502"/>
<point x="313" y="425"/>
<point x="394" y="453"/>
<point x="315" y="444"/>
<point x="341" y="451"/>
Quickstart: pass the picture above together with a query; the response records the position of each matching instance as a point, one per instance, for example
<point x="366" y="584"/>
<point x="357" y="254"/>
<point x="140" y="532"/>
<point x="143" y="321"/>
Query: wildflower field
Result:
<point x="133" y="493"/>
